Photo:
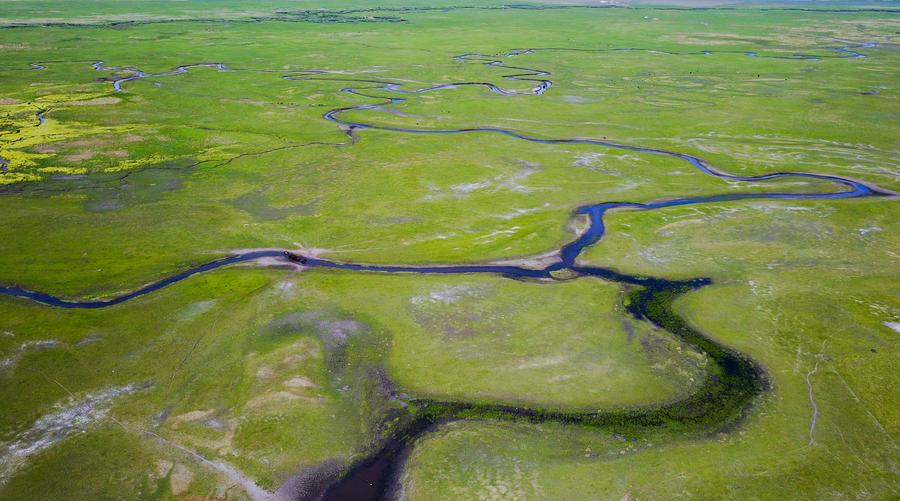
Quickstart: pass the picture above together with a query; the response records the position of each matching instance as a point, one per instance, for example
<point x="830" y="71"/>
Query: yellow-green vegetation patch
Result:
<point x="35" y="143"/>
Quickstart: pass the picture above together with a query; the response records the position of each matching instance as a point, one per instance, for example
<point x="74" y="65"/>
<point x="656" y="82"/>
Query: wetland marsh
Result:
<point x="448" y="252"/>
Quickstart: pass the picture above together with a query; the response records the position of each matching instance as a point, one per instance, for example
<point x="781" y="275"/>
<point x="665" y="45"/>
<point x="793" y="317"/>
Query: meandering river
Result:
<point x="733" y="379"/>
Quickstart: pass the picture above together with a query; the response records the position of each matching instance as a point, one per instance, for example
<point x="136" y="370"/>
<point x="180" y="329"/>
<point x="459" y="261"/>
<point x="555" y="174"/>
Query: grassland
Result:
<point x="841" y="284"/>
<point x="232" y="383"/>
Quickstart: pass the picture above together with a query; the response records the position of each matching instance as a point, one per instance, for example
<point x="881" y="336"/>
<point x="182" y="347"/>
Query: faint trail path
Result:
<point x="812" y="402"/>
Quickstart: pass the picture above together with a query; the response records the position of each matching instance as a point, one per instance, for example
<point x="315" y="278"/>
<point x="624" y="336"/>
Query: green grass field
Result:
<point x="237" y="382"/>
